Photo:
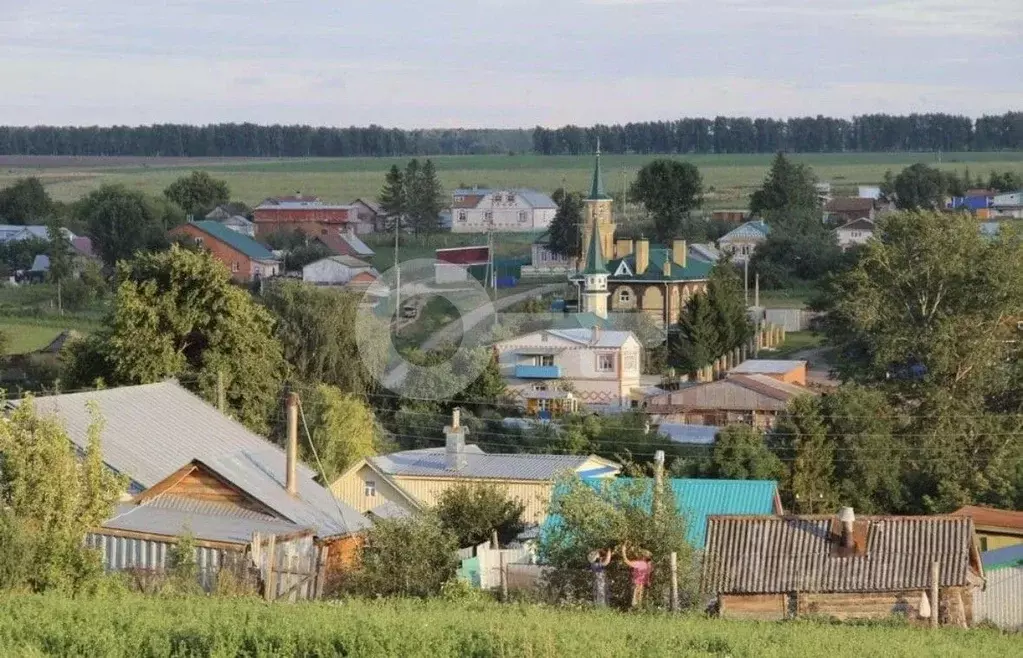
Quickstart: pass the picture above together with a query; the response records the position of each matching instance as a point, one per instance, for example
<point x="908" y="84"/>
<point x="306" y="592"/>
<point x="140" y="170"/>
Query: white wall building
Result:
<point x="480" y="210"/>
<point x="869" y="192"/>
<point x="552" y="371"/>
<point x="1009" y="204"/>
<point x="741" y="242"/>
<point x="339" y="271"/>
<point x="854" y="233"/>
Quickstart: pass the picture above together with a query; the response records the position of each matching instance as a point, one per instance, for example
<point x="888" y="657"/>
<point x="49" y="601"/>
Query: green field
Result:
<point x="728" y="178"/>
<point x="157" y="627"/>
<point x="29" y="318"/>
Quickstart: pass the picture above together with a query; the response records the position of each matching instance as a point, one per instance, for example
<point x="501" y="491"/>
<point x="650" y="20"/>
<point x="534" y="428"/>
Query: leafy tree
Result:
<point x="198" y="193"/>
<point x="177" y="314"/>
<point x="606" y="517"/>
<point x="5" y="342"/>
<point x="49" y="499"/>
<point x="489" y="386"/>
<point x="669" y="190"/>
<point x="473" y="512"/>
<point x="1007" y="181"/>
<point x="61" y="264"/>
<point x="740" y="453"/>
<point x="862" y="425"/>
<point x="789" y="186"/>
<point x="19" y="254"/>
<point x="121" y="222"/>
<point x="25" y="202"/>
<point x="920" y="187"/>
<point x="929" y="305"/>
<point x="342" y="428"/>
<point x="317" y="330"/>
<point x="801" y="441"/>
<point x="412" y="556"/>
<point x="695" y="343"/>
<point x="564" y="232"/>
<point x="797" y="255"/>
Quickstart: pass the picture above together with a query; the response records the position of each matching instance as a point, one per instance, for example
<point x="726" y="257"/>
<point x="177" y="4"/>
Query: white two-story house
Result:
<point x="482" y="210"/>
<point x="854" y="233"/>
<point x="556" y="371"/>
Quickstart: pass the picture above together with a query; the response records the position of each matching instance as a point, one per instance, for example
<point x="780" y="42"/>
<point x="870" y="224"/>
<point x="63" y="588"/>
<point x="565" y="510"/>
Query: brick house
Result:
<point x="302" y="213"/>
<point x="246" y="258"/>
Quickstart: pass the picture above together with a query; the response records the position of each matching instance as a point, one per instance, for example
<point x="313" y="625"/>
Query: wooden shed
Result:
<point x="841" y="566"/>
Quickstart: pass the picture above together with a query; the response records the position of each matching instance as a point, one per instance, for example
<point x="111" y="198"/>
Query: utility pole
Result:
<point x="397" y="267"/>
<point x="745" y="278"/>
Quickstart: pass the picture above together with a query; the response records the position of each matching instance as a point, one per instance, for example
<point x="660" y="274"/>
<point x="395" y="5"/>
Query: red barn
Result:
<point x="305" y="213"/>
<point x="453" y="264"/>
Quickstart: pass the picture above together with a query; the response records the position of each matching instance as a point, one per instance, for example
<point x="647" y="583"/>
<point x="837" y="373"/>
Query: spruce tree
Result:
<point x="392" y="197"/>
<point x="564" y="236"/>
<point x="726" y="297"/>
<point x="427" y="197"/>
<point x="800" y="439"/>
<point x="693" y="345"/>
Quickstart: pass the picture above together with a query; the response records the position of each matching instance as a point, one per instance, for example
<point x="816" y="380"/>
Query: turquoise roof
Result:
<point x="1002" y="558"/>
<point x="754" y="229"/>
<point x="594" y="254"/>
<point x="235" y="240"/>
<point x="696" y="269"/>
<point x="597" y="184"/>
<point x="697" y="499"/>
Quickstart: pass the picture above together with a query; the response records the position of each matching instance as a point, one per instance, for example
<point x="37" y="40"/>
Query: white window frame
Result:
<point x="624" y="296"/>
<point x="369" y="489"/>
<point x="543" y="360"/>
<point x="605" y="362"/>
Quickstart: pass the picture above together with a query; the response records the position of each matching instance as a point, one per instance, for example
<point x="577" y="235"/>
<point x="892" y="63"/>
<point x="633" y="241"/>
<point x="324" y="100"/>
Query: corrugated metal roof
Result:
<point x="390" y="510"/>
<point x="767" y="366"/>
<point x="152" y="430"/>
<point x="234" y="239"/>
<point x="605" y="338"/>
<point x="735" y="393"/>
<point x="755" y="229"/>
<point x="207" y="507"/>
<point x="992" y="517"/>
<point x="432" y="462"/>
<point x="748" y="555"/>
<point x="173" y="523"/>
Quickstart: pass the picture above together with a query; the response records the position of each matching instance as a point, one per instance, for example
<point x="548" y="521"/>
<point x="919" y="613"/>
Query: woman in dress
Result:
<point x="641" y="568"/>
<point x="599" y="560"/>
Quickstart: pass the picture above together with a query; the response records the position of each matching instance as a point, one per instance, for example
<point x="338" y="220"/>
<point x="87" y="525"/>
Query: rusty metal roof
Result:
<point x="764" y="555"/>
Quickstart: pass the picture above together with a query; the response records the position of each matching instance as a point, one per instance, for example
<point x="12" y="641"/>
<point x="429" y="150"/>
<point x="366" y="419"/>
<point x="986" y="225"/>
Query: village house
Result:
<point x="247" y="259"/>
<point x="307" y="214"/>
<point x="555" y="371"/>
<point x="1000" y="602"/>
<point x="371" y="217"/>
<point x="996" y="528"/>
<point x="544" y="262"/>
<point x="742" y="241"/>
<point x="414" y="479"/>
<point x="844" y="566"/>
<point x="754" y="399"/>
<point x="339" y="271"/>
<point x="844" y="209"/>
<point x="1009" y="204"/>
<point x="478" y="210"/>
<point x="854" y="233"/>
<point x="343" y="242"/>
<point x="207" y="475"/>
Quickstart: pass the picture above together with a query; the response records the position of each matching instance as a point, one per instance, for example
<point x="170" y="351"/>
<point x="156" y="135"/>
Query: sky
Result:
<point x="501" y="63"/>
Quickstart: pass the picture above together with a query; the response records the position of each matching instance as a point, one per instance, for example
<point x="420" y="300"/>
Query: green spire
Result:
<point x="597" y="186"/>
<point x="595" y="255"/>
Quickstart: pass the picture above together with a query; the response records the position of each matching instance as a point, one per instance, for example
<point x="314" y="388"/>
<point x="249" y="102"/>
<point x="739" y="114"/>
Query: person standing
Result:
<point x="641" y="569"/>
<point x="599" y="560"/>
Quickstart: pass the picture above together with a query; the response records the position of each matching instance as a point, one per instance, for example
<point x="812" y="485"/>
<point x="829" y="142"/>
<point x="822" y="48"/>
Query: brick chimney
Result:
<point x="454" y="436"/>
<point x="291" y="478"/>
<point x="642" y="255"/>
<point x="679" y="251"/>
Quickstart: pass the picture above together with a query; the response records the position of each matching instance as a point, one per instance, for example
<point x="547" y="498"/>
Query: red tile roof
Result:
<point x="991" y="517"/>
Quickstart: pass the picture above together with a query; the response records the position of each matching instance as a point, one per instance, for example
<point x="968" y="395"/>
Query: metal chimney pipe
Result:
<point x="291" y="483"/>
<point x="847" y="518"/>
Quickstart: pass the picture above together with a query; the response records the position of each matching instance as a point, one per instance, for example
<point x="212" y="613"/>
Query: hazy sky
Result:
<point x="501" y="62"/>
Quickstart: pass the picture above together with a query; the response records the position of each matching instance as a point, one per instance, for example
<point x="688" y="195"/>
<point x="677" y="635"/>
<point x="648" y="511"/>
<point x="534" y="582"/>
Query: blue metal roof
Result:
<point x="754" y="229"/>
<point x="234" y="239"/>
<point x="1000" y="558"/>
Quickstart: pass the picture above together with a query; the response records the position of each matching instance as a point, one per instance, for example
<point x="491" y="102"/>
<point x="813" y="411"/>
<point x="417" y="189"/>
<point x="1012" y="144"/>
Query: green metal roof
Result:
<point x="234" y="239"/>
<point x="597" y="184"/>
<point x="695" y="269"/>
<point x="579" y="321"/>
<point x="594" y="254"/>
<point x="697" y="499"/>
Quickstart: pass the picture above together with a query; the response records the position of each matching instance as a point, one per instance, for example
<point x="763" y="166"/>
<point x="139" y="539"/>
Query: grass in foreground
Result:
<point x="154" y="627"/>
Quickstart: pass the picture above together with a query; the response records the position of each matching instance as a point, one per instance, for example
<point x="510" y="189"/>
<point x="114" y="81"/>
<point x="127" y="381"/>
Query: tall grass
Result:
<point x="154" y="627"/>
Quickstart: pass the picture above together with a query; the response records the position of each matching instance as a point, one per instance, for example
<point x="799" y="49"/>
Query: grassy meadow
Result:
<point x="729" y="179"/>
<point x="155" y="627"/>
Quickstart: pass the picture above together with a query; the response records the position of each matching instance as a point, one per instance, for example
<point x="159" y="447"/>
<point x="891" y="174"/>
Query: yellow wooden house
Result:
<point x="414" y="479"/>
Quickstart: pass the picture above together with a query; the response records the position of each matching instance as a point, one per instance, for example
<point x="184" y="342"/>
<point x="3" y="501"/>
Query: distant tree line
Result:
<point x="874" y="132"/>
<point x="251" y="140"/>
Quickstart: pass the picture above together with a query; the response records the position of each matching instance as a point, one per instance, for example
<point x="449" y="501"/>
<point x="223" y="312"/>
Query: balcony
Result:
<point x="537" y="372"/>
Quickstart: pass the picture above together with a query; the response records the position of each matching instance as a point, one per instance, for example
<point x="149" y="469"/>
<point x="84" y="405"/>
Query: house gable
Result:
<point x="354" y="484"/>
<point x="196" y="481"/>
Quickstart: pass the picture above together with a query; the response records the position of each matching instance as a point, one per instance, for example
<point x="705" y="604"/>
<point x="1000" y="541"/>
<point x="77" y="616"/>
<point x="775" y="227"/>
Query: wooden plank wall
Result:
<point x="763" y="607"/>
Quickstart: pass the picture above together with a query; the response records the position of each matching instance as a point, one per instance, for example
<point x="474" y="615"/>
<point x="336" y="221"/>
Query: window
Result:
<point x="234" y="266"/>
<point x="539" y="388"/>
<point x="983" y="544"/>
<point x="543" y="360"/>
<point x="625" y="295"/>
<point x="198" y="241"/>
<point x="605" y="363"/>
<point x="523" y="216"/>
<point x="488" y="216"/>
<point x="370" y="489"/>
<point x="462" y="216"/>
<point x="511" y="198"/>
